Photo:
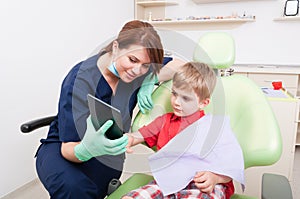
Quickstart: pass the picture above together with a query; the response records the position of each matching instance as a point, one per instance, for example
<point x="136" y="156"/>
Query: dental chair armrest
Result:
<point x="275" y="187"/>
<point x="35" y="124"/>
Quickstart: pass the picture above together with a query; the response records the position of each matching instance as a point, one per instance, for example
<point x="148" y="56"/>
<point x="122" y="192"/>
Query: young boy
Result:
<point x="178" y="168"/>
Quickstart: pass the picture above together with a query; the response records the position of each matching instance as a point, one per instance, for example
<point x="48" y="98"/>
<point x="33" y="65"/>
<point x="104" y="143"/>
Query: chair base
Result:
<point x="276" y="187"/>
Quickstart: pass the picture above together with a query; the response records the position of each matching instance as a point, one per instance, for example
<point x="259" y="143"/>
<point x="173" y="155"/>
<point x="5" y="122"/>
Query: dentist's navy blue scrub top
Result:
<point x="83" y="79"/>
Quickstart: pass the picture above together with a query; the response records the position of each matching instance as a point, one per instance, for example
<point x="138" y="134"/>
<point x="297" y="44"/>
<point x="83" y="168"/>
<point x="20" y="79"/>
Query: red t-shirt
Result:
<point x="164" y="128"/>
<point x="159" y="132"/>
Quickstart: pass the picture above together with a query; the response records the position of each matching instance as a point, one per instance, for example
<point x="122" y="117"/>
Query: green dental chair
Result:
<point x="252" y="118"/>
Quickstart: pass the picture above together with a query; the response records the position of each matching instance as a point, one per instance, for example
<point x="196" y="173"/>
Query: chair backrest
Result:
<point x="251" y="116"/>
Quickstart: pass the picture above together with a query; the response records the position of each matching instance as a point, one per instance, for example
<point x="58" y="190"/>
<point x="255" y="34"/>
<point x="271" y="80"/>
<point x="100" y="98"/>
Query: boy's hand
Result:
<point x="130" y="141"/>
<point x="206" y="181"/>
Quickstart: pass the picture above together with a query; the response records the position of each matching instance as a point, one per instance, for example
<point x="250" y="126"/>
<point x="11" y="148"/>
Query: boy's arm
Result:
<point x="133" y="139"/>
<point x="206" y="180"/>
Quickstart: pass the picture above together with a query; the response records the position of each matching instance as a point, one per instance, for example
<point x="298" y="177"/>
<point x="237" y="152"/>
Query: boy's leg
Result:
<point x="191" y="191"/>
<point x="150" y="190"/>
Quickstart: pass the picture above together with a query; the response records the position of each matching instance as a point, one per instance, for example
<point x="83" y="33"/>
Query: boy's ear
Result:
<point x="204" y="103"/>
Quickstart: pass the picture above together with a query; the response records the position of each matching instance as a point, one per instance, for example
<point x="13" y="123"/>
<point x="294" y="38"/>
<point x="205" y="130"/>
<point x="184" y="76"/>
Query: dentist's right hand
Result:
<point x="95" y="143"/>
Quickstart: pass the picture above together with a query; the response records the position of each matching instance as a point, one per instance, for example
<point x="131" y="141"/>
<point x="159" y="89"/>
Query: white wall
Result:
<point x="39" y="42"/>
<point x="264" y="41"/>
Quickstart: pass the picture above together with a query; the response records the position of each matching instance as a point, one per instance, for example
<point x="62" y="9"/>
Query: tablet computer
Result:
<point x="101" y="112"/>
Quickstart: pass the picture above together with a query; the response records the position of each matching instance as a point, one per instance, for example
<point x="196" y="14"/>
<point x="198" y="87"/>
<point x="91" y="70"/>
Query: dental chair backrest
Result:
<point x="251" y="116"/>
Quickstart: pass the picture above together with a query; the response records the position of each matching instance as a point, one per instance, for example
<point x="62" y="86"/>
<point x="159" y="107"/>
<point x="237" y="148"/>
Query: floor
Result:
<point x="34" y="189"/>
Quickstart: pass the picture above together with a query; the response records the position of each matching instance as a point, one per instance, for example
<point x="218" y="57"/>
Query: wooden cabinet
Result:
<point x="151" y="10"/>
<point x="290" y="81"/>
<point x="263" y="75"/>
<point x="286" y="112"/>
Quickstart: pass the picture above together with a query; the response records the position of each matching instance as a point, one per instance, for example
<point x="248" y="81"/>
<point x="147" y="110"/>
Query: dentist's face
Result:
<point x="132" y="62"/>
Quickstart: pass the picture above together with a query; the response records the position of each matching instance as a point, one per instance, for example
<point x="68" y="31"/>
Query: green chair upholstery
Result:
<point x="252" y="119"/>
<point x="217" y="49"/>
<point x="251" y="116"/>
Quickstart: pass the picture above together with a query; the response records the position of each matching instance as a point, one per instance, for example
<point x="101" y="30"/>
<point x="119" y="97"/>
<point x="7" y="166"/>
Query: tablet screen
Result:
<point x="101" y="112"/>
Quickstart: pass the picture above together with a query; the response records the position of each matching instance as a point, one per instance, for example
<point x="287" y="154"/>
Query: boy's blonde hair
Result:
<point x="197" y="76"/>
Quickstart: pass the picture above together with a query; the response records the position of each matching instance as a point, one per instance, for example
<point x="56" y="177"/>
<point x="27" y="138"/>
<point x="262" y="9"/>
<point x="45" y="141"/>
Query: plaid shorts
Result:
<point x="152" y="190"/>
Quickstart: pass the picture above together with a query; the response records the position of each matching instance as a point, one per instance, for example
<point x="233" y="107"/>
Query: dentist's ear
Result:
<point x="115" y="48"/>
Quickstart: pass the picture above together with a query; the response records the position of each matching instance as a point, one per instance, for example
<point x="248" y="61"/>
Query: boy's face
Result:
<point x="185" y="101"/>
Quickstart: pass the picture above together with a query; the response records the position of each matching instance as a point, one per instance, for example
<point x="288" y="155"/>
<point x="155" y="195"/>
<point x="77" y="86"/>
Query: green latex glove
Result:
<point x="144" y="94"/>
<point x="94" y="143"/>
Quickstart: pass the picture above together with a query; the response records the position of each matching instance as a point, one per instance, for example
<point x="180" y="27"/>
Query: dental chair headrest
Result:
<point x="216" y="49"/>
